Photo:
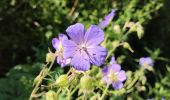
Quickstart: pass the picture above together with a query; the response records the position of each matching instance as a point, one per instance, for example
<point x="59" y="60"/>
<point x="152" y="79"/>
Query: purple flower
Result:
<point x="58" y="45"/>
<point x="84" y="47"/>
<point x="146" y="62"/>
<point x="107" y="19"/>
<point x="113" y="74"/>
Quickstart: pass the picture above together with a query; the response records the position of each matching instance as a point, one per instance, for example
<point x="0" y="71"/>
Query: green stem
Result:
<point x="74" y="90"/>
<point x="39" y="82"/>
<point x="58" y="92"/>
<point x="68" y="94"/>
<point x="51" y="64"/>
<point x="104" y="93"/>
<point x="124" y="37"/>
<point x="79" y="97"/>
<point x="137" y="76"/>
<point x="84" y="97"/>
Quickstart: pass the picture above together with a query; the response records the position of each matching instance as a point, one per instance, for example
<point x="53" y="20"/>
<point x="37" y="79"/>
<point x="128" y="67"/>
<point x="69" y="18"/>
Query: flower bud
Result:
<point x="102" y="83"/>
<point x="137" y="27"/>
<point x="129" y="24"/>
<point x="86" y="83"/>
<point x="117" y="29"/>
<point x="127" y="46"/>
<point x="49" y="57"/>
<point x="140" y="31"/>
<point x="51" y="95"/>
<point x="143" y="80"/>
<point x="62" y="81"/>
<point x="115" y="44"/>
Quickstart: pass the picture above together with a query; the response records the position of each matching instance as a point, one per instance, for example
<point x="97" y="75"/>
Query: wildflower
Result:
<point x="114" y="75"/>
<point x="84" y="47"/>
<point x="107" y="19"/>
<point x="146" y="62"/>
<point x="58" y="45"/>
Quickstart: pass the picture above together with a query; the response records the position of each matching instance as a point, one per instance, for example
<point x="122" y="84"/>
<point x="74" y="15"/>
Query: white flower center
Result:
<point x="112" y="76"/>
<point x="83" y="47"/>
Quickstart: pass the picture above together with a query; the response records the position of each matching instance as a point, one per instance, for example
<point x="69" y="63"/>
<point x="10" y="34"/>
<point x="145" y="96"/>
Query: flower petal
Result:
<point x="63" y="62"/>
<point x="76" y="32"/>
<point x="121" y="76"/>
<point x="115" y="67"/>
<point x="149" y="61"/>
<point x="105" y="70"/>
<point x="117" y="85"/>
<point x="97" y="55"/>
<point x="107" y="19"/>
<point x="106" y="80"/>
<point x="80" y="61"/>
<point x="113" y="60"/>
<point x="62" y="37"/>
<point x="94" y="35"/>
<point x="69" y="49"/>
<point x="55" y="43"/>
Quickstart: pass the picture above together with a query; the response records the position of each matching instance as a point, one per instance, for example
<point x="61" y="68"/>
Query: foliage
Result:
<point x="39" y="21"/>
<point x="18" y="82"/>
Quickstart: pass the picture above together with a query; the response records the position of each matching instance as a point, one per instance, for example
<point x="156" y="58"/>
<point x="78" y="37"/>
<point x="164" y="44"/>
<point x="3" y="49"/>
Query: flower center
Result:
<point x="112" y="76"/>
<point x="146" y="64"/>
<point x="60" y="50"/>
<point x="83" y="47"/>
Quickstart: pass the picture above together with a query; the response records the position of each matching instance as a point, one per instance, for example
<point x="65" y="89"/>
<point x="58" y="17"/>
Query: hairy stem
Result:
<point x="104" y="93"/>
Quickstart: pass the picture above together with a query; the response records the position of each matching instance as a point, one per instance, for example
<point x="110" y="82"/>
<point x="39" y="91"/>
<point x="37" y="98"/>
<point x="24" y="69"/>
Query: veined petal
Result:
<point x="76" y="32"/>
<point x="106" y="80"/>
<point x="115" y="67"/>
<point x="117" y="85"/>
<point x="107" y="19"/>
<point x="113" y="61"/>
<point x="105" y="70"/>
<point x="121" y="76"/>
<point x="94" y="35"/>
<point x="63" y="62"/>
<point x="149" y="61"/>
<point x="62" y="37"/>
<point x="69" y="49"/>
<point x="97" y="55"/>
<point x="80" y="61"/>
<point x="55" y="43"/>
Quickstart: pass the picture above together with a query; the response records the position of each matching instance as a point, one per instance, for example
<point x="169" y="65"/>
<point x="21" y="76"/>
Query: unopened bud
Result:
<point x="140" y="30"/>
<point x="117" y="29"/>
<point x="49" y="57"/>
<point x="86" y="83"/>
<point x="116" y="44"/>
<point x="51" y="95"/>
<point x="102" y="83"/>
<point x="137" y="27"/>
<point x="129" y="74"/>
<point x="129" y="24"/>
<point x="143" y="80"/>
<point x="127" y="46"/>
<point x="143" y="88"/>
<point x="62" y="81"/>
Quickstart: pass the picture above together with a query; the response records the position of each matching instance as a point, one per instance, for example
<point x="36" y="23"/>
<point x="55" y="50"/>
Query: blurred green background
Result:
<point x="27" y="26"/>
